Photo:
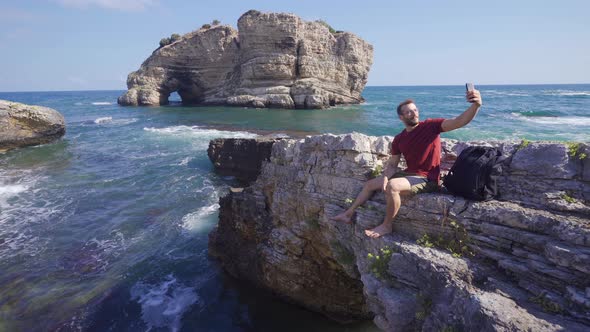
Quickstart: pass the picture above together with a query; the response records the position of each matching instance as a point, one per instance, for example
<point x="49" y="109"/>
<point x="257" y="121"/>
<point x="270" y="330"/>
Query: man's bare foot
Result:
<point x="343" y="217"/>
<point x="379" y="231"/>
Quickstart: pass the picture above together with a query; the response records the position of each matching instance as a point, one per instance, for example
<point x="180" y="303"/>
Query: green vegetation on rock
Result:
<point x="379" y="262"/>
<point x="167" y="41"/>
<point x="377" y="171"/>
<point x="457" y="245"/>
<point x="523" y="144"/>
<point x="546" y="304"/>
<point x="568" y="198"/>
<point x="574" y="150"/>
<point x="324" y="23"/>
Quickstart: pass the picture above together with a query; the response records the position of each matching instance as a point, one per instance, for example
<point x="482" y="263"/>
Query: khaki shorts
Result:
<point x="419" y="184"/>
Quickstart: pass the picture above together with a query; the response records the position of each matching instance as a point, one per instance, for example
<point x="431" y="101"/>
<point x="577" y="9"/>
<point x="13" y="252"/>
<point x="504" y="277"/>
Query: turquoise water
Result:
<point x="107" y="228"/>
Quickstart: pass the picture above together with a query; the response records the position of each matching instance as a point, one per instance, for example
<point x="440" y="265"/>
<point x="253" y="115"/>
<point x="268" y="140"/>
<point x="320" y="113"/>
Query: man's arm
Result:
<point x="474" y="97"/>
<point x="390" y="170"/>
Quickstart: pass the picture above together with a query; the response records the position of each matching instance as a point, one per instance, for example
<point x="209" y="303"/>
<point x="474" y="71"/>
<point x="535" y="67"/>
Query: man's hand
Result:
<point x="474" y="97"/>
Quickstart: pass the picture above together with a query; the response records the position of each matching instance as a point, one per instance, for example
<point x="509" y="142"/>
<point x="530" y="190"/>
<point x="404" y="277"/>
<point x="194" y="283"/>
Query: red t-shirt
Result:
<point x="421" y="148"/>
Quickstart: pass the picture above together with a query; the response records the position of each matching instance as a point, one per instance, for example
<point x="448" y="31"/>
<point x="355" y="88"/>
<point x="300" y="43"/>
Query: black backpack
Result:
<point x="475" y="172"/>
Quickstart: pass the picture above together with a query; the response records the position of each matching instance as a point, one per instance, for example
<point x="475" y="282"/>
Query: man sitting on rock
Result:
<point x="419" y="143"/>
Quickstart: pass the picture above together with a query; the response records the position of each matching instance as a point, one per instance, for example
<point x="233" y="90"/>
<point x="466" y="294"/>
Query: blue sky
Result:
<point x="48" y="45"/>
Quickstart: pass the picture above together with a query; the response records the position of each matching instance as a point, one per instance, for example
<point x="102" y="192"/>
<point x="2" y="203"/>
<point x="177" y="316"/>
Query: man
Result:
<point x="419" y="143"/>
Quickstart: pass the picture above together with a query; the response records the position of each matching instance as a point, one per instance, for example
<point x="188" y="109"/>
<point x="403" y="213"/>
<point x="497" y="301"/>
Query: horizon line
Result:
<point x="367" y="86"/>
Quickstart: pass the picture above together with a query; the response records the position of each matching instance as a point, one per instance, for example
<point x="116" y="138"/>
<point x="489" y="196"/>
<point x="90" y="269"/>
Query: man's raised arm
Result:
<point x="474" y="97"/>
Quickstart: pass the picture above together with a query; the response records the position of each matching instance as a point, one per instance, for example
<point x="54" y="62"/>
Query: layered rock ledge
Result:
<point x="518" y="263"/>
<point x="272" y="60"/>
<point x="25" y="125"/>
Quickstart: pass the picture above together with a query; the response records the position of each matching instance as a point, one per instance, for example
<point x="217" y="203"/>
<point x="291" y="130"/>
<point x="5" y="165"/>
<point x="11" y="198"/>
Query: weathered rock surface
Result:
<point x="239" y="157"/>
<point x="520" y="263"/>
<point x="273" y="60"/>
<point x="24" y="125"/>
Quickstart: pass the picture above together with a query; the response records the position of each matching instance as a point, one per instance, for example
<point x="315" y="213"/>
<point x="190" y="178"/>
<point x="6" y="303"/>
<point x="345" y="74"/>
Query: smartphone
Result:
<point x="469" y="87"/>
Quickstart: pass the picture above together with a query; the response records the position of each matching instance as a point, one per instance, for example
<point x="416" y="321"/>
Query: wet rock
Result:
<point x="24" y="125"/>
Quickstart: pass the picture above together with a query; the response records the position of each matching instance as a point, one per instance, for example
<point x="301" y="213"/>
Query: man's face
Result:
<point x="410" y="115"/>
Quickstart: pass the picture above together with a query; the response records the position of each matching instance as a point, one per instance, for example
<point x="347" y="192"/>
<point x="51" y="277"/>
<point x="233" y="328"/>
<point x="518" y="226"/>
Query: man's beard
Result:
<point x="411" y="122"/>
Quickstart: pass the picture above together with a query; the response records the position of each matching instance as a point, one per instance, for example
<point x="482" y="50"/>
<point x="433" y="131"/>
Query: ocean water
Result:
<point x="106" y="229"/>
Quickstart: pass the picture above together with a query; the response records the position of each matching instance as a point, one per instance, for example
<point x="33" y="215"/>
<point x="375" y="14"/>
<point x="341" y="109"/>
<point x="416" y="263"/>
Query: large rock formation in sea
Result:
<point x="272" y="60"/>
<point x="24" y="125"/>
<point x="518" y="263"/>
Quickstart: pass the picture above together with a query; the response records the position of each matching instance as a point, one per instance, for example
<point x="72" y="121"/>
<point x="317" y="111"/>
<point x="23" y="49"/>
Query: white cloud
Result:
<point x="125" y="5"/>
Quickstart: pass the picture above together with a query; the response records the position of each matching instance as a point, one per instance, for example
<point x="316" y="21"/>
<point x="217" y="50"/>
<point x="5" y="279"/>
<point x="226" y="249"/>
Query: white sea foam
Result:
<point x="505" y="93"/>
<point x="163" y="304"/>
<point x="103" y="120"/>
<point x="101" y="103"/>
<point x="99" y="252"/>
<point x="567" y="93"/>
<point x="197" y="220"/>
<point x="200" y="137"/>
<point x="24" y="207"/>
<point x="184" y="161"/>
<point x="108" y="120"/>
<point x="11" y="190"/>
<point x="551" y="120"/>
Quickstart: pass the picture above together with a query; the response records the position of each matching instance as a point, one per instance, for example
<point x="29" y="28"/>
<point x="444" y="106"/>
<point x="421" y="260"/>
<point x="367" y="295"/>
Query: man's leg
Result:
<point x="395" y="187"/>
<point x="369" y="187"/>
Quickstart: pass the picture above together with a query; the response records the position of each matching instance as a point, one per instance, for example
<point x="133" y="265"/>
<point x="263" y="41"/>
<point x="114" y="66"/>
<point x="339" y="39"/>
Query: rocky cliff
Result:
<point x="519" y="263"/>
<point x="272" y="60"/>
<point x="24" y="125"/>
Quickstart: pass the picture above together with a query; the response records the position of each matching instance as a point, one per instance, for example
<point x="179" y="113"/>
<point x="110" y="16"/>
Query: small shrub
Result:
<point x="252" y="12"/>
<point x="324" y="23"/>
<point x="206" y="26"/>
<point x="425" y="241"/>
<point x="215" y="22"/>
<point x="174" y="37"/>
<point x="546" y="304"/>
<point x="458" y="245"/>
<point x="377" y="171"/>
<point x="568" y="198"/>
<point x="523" y="144"/>
<point x="167" y="41"/>
<point x="379" y="262"/>
<point x="164" y="42"/>
<point x="573" y="150"/>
